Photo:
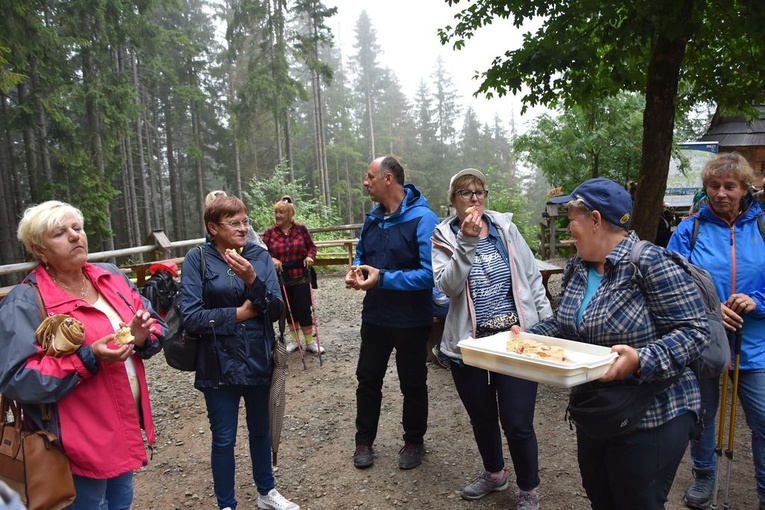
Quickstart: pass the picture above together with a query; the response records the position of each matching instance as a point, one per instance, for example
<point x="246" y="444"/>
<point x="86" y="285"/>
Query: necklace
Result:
<point x="83" y="291"/>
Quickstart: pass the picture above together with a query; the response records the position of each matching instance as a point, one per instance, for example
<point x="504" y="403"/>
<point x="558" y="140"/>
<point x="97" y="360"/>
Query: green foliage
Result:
<point x="264" y="193"/>
<point x="509" y="200"/>
<point x="584" y="141"/>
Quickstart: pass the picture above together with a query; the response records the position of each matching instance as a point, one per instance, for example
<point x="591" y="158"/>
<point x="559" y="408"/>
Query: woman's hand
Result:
<point x="246" y="311"/>
<point x="308" y="262"/>
<point x="277" y="263"/>
<point x="104" y="354"/>
<point x="472" y="224"/>
<point x="241" y="267"/>
<point x="140" y="326"/>
<point x="627" y="364"/>
<point x="734" y="308"/>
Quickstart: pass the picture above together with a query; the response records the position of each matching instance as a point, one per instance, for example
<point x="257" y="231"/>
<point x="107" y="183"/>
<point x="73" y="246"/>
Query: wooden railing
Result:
<point x="160" y="249"/>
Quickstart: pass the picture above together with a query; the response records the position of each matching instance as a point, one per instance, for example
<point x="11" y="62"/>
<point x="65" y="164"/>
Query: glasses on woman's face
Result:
<point x="237" y="223"/>
<point x="467" y="194"/>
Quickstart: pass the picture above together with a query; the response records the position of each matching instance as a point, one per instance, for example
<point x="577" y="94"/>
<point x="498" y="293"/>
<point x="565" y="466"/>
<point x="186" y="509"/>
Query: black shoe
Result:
<point x="410" y="455"/>
<point x="363" y="457"/>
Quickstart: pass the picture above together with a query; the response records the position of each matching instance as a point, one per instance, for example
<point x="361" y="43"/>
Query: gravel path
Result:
<point x="315" y="458"/>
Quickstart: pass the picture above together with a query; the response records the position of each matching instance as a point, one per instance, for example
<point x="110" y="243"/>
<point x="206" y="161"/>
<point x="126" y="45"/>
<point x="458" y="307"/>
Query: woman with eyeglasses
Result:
<point x="232" y="306"/>
<point x="293" y="253"/>
<point x="481" y="261"/>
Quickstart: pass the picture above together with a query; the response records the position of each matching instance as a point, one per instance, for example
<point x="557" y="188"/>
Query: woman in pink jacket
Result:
<point x="99" y="396"/>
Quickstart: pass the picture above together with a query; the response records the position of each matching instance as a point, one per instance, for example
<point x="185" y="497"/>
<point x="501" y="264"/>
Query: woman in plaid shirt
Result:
<point x="657" y="327"/>
<point x="293" y="252"/>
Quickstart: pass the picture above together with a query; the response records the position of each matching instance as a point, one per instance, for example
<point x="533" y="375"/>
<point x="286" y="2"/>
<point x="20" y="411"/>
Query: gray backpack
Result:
<point x="716" y="357"/>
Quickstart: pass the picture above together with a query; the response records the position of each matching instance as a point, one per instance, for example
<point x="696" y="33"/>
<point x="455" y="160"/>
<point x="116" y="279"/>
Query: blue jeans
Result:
<point x="103" y="494"/>
<point x="223" y="414"/>
<point x="491" y="399"/>
<point x="751" y="393"/>
<point x="703" y="448"/>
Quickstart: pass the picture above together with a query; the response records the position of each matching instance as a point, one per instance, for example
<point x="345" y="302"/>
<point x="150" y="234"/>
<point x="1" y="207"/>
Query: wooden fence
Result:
<point x="158" y="248"/>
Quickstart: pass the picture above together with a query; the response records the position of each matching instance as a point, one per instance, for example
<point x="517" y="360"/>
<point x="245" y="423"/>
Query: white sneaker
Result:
<point x="291" y="346"/>
<point x="314" y="348"/>
<point x="275" y="501"/>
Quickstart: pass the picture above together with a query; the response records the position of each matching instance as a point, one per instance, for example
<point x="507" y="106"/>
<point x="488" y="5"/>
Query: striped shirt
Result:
<point x="490" y="285"/>
<point x="664" y="321"/>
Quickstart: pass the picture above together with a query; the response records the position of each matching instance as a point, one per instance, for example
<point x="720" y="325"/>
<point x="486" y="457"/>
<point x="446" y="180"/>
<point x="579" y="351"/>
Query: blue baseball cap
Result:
<point x="607" y="197"/>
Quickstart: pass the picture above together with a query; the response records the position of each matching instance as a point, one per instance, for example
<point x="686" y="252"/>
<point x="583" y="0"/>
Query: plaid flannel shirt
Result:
<point x="663" y="319"/>
<point x="294" y="246"/>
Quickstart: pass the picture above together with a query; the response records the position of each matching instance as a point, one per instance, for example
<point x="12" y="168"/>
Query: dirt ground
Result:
<point x="315" y="457"/>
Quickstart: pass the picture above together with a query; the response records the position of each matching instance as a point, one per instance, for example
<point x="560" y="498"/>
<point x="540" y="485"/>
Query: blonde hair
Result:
<point x="729" y="163"/>
<point x="43" y="218"/>
<point x="218" y="193"/>
<point x="285" y="204"/>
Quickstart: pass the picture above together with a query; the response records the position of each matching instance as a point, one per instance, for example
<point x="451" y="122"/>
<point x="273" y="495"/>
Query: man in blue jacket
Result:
<point x="393" y="266"/>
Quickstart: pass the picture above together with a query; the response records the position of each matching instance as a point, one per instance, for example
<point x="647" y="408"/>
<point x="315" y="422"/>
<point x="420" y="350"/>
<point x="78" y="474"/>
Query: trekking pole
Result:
<point x="732" y="430"/>
<point x="721" y="429"/>
<point x="315" y="324"/>
<point x="292" y="319"/>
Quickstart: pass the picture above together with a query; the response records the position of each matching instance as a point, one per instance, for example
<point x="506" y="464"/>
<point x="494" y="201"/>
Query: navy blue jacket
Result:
<point x="231" y="353"/>
<point x="399" y="246"/>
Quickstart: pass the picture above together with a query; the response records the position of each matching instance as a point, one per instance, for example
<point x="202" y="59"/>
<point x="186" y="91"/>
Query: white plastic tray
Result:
<point x="587" y="362"/>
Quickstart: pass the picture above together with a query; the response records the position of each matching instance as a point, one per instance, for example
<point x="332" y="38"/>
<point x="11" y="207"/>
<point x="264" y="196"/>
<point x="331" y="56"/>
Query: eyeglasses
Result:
<point x="480" y="194"/>
<point x="237" y="223"/>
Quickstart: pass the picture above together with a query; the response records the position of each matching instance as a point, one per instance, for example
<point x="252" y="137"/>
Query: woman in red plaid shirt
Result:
<point x="293" y="252"/>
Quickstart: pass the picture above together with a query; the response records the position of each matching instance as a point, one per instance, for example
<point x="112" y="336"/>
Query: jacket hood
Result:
<point x="751" y="208"/>
<point x="413" y="198"/>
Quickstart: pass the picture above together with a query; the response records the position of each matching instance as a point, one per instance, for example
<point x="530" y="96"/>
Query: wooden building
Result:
<point x="738" y="134"/>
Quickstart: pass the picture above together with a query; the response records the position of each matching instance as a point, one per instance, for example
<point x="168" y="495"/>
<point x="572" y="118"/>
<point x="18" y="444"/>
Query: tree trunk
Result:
<point x="141" y="154"/>
<point x="7" y="213"/>
<point x="658" y="124"/>
<point x="176" y="213"/>
<point x="41" y="126"/>
<point x="95" y="143"/>
<point x="199" y="168"/>
<point x="155" y="203"/>
<point x="30" y="151"/>
<point x="131" y="200"/>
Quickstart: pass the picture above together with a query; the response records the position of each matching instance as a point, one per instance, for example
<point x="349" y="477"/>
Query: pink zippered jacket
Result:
<point x="95" y="416"/>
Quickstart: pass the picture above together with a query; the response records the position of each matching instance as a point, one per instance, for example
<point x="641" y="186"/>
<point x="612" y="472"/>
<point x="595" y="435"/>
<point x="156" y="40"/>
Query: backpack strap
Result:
<point x="696" y="223"/>
<point x="637" y="250"/>
<point x="695" y="235"/>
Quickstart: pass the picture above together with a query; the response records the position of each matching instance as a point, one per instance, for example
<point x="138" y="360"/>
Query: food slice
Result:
<point x="470" y="210"/>
<point x="124" y="336"/>
<point x="534" y="349"/>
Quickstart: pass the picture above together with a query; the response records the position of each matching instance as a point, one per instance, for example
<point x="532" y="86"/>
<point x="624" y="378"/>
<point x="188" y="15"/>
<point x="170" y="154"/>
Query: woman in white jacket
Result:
<point x="481" y="261"/>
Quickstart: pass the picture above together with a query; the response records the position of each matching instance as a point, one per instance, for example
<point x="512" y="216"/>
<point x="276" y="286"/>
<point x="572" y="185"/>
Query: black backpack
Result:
<point x="160" y="290"/>
<point x="179" y="346"/>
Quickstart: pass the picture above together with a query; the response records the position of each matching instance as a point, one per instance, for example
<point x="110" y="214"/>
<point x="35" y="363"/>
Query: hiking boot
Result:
<point x="528" y="500"/>
<point x="700" y="493"/>
<point x="410" y="455"/>
<point x="291" y="346"/>
<point x="314" y="348"/>
<point x="484" y="484"/>
<point x="275" y="501"/>
<point x="364" y="456"/>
